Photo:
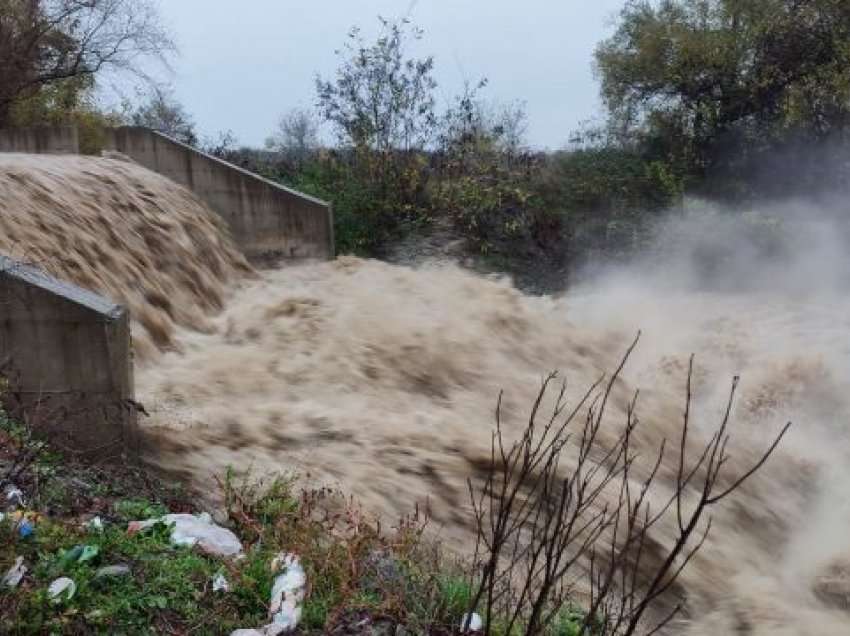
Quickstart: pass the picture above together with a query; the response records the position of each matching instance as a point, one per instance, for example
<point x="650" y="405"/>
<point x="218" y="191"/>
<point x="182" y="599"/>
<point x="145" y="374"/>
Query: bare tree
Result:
<point x="297" y="135"/>
<point x="162" y="112"/>
<point x="43" y="42"/>
<point x="473" y="127"/>
<point x="536" y="522"/>
<point x="224" y="145"/>
<point x="510" y="126"/>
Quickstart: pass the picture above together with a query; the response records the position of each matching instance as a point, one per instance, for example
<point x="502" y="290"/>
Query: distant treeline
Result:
<point x="734" y="100"/>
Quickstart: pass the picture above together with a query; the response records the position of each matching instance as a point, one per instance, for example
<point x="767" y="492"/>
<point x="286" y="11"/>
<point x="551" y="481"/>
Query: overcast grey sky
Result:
<point x="244" y="63"/>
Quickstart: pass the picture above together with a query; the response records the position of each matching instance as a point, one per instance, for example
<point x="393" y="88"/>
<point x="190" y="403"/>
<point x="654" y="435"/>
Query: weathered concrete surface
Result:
<point x="66" y="354"/>
<point x="266" y="219"/>
<point x="48" y="140"/>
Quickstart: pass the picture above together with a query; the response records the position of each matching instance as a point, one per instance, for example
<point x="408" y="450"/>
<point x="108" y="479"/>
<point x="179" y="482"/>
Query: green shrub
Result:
<point x="366" y="213"/>
<point x="605" y="193"/>
<point x="489" y="211"/>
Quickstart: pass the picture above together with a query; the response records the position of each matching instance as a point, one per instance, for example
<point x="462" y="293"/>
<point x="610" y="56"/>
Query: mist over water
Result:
<point x="383" y="379"/>
<point x="762" y="294"/>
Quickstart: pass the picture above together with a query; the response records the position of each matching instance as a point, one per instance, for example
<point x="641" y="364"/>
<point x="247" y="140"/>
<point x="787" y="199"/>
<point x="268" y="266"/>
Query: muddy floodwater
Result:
<point x="383" y="379"/>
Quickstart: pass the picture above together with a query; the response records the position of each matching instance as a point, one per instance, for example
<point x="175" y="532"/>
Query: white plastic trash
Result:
<point x="191" y="530"/>
<point x="475" y="623"/>
<point x="288" y="592"/>
<point x="14" y="496"/>
<point x="95" y="524"/>
<point x="15" y="575"/>
<point x="268" y="630"/>
<point x="220" y="583"/>
<point x="62" y="589"/>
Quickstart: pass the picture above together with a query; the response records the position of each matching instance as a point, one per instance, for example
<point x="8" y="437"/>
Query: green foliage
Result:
<point x="606" y="195"/>
<point x="46" y="45"/>
<point x="364" y="218"/>
<point x="136" y="509"/>
<point x="568" y="622"/>
<point x="24" y="454"/>
<point x="399" y="165"/>
<point x="455" y="594"/>
<point x="717" y="85"/>
<point x="266" y="502"/>
<point x="381" y="103"/>
<point x="167" y="584"/>
<point x="355" y="568"/>
<point x="316" y="611"/>
<point x="607" y="181"/>
<point x="69" y="102"/>
<point x="483" y="179"/>
<point x="491" y="212"/>
<point x="381" y="99"/>
<point x="168" y="588"/>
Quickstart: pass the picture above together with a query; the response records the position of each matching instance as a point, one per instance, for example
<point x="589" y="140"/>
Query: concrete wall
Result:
<point x="66" y="354"/>
<point x="53" y="140"/>
<point x="266" y="219"/>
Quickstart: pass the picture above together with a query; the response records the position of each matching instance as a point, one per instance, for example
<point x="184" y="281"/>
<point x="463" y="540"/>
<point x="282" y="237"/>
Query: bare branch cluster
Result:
<point x="540" y="523"/>
<point x="162" y="112"/>
<point x="46" y="41"/>
<point x="297" y="135"/>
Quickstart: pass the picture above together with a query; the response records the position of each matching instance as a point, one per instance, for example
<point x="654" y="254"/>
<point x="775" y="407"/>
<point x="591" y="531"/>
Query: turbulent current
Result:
<point x="112" y="226"/>
<point x="383" y="379"/>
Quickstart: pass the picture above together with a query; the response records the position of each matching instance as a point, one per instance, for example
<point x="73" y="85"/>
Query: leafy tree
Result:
<point x="713" y="83"/>
<point x="47" y="42"/>
<point x="483" y="178"/>
<point x="607" y="193"/>
<point x="381" y="99"/>
<point x="464" y="131"/>
<point x="67" y="102"/>
<point x="55" y="103"/>
<point x="381" y="104"/>
<point x="162" y="112"/>
<point x="362" y="223"/>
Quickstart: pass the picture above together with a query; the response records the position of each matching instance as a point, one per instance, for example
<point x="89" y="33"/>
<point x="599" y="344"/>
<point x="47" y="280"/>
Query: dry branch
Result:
<point x="535" y="521"/>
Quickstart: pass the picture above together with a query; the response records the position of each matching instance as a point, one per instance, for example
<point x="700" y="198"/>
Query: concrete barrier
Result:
<point x="265" y="218"/>
<point x="48" y="140"/>
<point x="66" y="356"/>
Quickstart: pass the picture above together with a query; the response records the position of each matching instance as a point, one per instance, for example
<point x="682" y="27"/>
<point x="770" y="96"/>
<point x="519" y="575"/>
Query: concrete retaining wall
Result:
<point x="266" y="219"/>
<point x="66" y="354"/>
<point x="52" y="140"/>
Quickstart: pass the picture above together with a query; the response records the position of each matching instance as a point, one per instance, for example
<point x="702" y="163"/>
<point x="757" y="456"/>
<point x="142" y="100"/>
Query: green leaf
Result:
<point x="159" y="602"/>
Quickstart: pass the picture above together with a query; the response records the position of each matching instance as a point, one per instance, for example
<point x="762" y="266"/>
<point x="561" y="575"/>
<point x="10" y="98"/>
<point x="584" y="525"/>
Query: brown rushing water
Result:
<point x="111" y="226"/>
<point x="383" y="379"/>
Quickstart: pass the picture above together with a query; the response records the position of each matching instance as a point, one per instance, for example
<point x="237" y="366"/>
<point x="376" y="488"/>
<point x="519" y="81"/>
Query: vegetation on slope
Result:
<point x="559" y="497"/>
<point x="362" y="578"/>
<point x="714" y="97"/>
